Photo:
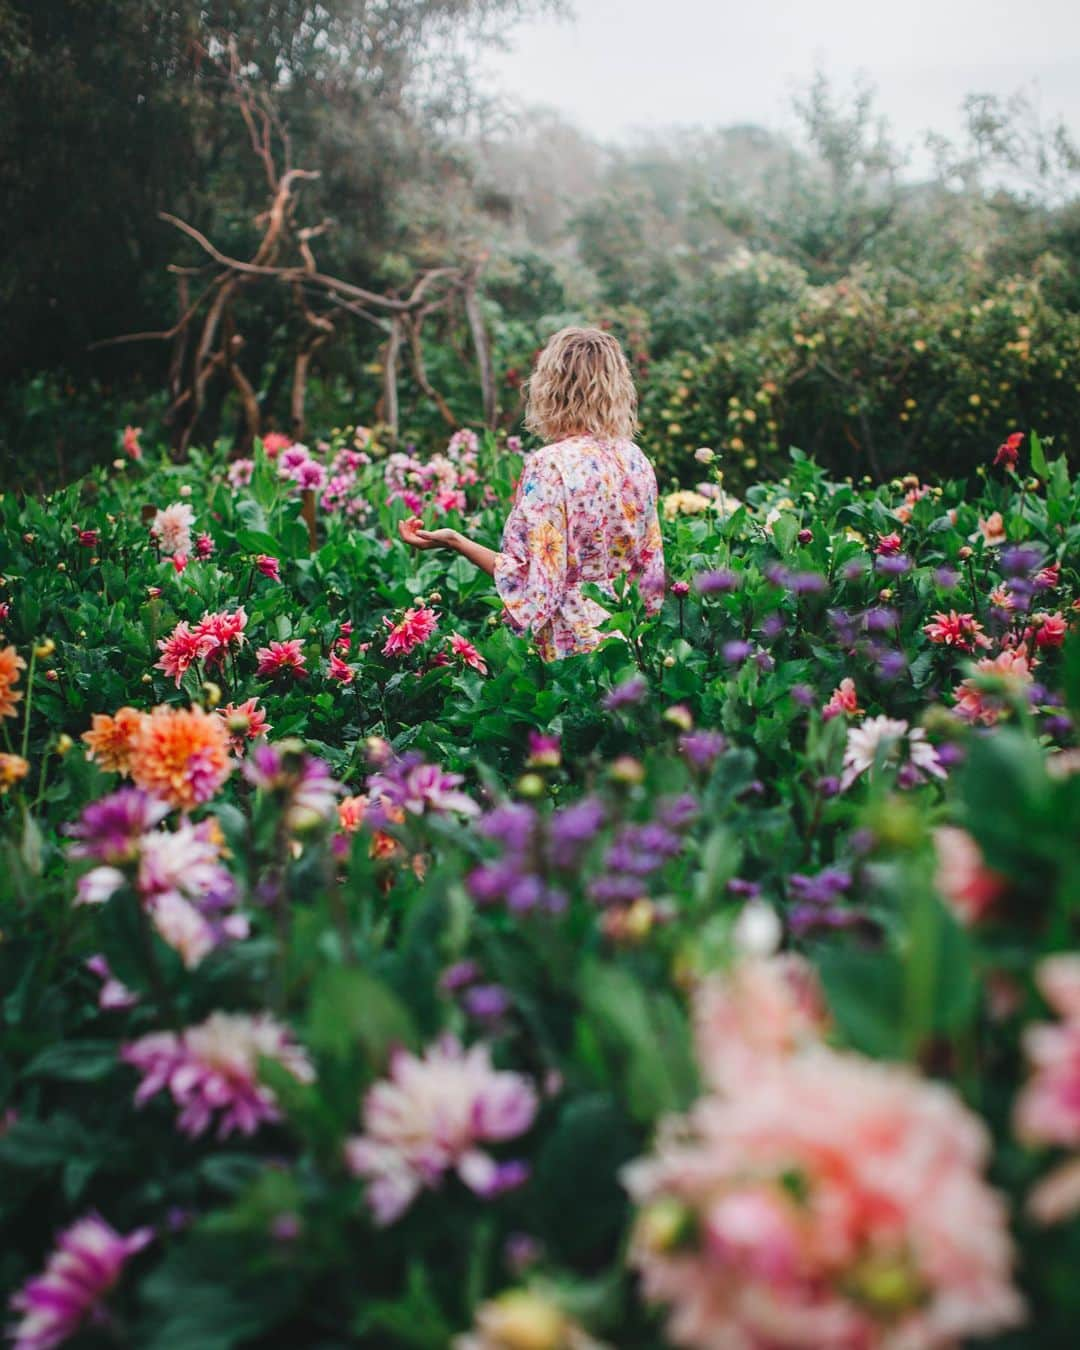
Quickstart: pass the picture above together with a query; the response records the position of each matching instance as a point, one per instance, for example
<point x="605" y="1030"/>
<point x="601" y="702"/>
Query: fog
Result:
<point x="623" y="65"/>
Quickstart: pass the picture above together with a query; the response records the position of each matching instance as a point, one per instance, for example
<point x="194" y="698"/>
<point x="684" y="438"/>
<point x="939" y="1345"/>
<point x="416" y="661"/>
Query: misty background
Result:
<point x="859" y="222"/>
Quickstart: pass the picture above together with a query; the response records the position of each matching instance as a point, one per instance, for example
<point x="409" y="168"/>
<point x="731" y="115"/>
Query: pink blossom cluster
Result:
<point x="211" y="1071"/>
<point x="297" y="466"/>
<point x="1011" y="667"/>
<point x="443" y="478"/>
<point x="816" y="1198"/>
<point x="342" y="492"/>
<point x="416" y="625"/>
<point x="70" y="1292"/>
<point x="1048" y="1109"/>
<point x="210" y="641"/>
<point x="432" y="1116"/>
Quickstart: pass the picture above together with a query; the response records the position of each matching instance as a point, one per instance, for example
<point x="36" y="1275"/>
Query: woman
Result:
<point x="585" y="508"/>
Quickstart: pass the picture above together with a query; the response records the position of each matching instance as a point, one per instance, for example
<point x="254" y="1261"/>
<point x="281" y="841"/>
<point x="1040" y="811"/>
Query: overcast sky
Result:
<point x="626" y="64"/>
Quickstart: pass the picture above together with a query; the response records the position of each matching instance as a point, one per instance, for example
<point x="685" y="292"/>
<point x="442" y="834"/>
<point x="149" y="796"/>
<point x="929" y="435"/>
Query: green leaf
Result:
<point x="1038" y="457"/>
<point x="75" y="1061"/>
<point x="350" y="1009"/>
<point x="865" y="991"/>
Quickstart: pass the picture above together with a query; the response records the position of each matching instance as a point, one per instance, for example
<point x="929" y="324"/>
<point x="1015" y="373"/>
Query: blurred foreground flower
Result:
<point x="88" y="1261"/>
<point x="430" y="1117"/>
<point x="212" y="1070"/>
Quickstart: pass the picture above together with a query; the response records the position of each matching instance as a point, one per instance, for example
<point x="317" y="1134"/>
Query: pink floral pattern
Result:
<point x="585" y="512"/>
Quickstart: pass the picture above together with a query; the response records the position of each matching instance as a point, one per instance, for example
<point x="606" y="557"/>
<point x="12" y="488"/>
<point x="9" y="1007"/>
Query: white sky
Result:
<point x="619" y="65"/>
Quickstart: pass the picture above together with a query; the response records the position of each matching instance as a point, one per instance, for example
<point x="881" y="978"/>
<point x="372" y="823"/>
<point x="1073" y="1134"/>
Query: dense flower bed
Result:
<point x="367" y="982"/>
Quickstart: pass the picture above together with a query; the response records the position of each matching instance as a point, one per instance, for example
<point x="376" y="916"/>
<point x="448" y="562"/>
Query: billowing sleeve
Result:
<point x="652" y="579"/>
<point x="530" y="569"/>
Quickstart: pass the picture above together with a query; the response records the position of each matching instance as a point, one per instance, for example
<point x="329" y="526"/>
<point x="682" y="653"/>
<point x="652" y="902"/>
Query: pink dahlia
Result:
<point x="240" y="472"/>
<point x="415" y="626"/>
<point x="181" y="649"/>
<point x="281" y="657"/>
<point x="844" y="701"/>
<point x="416" y="787"/>
<point x="204" y="547"/>
<point x="340" y="670"/>
<point x="130" y="442"/>
<point x="1050" y="630"/>
<point x="992" y="530"/>
<point x="829" y="1202"/>
<point x="171" y="528"/>
<point x="1011" y="667"/>
<point x="464" y="650"/>
<point x="1009" y="452"/>
<point x="246" y="722"/>
<point x="430" y="1117"/>
<point x="963" y="878"/>
<point x="268" y="566"/>
<point x="274" y="442"/>
<point x="212" y="1070"/>
<point x="888" y="545"/>
<point x="885" y="738"/>
<point x="89" y="1259"/>
<point x="962" y="631"/>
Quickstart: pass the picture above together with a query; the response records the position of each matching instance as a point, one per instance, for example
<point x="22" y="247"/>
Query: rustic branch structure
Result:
<point x="207" y="342"/>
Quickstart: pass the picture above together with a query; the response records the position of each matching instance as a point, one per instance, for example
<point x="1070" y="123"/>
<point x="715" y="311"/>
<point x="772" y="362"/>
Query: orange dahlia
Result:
<point x="12" y="768"/>
<point x="10" y="665"/>
<point x="110" y="739"/>
<point x="181" y="755"/>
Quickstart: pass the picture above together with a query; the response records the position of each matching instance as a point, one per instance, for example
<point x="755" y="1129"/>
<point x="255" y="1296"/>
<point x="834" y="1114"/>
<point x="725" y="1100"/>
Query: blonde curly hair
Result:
<point x="582" y="386"/>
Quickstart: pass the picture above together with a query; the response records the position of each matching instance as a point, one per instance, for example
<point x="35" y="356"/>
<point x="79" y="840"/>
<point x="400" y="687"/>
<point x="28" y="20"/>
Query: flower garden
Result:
<point x="367" y="982"/>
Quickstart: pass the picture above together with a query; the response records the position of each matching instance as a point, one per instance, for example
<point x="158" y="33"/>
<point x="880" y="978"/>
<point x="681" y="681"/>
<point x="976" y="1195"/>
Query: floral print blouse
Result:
<point x="584" y="512"/>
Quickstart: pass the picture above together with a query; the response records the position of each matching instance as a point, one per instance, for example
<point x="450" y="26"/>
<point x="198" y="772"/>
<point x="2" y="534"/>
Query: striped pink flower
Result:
<point x="415" y="626"/>
<point x="282" y="657"/>
<point x="89" y="1259"/>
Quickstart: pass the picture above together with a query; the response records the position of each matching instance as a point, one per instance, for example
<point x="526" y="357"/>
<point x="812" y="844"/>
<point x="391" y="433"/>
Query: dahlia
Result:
<point x="171" y="528"/>
<point x="109" y="830"/>
<point x="764" y="1009"/>
<point x="13" y="768"/>
<point x="829" y="1202"/>
<point x="10" y="665"/>
<point x="429" y="1118"/>
<point x="961" y="631"/>
<point x="888" y="734"/>
<point x="222" y="632"/>
<point x="991" y="530"/>
<point x="181" y="755"/>
<point x="274" y="442"/>
<point x="1050" y="631"/>
<point x="245" y="721"/>
<point x="1009" y="452"/>
<point x="962" y="877"/>
<point x="204" y="547"/>
<point x="522" y="1320"/>
<point x="304" y="784"/>
<point x="417" y="787"/>
<point x="240" y="472"/>
<point x="844" y="701"/>
<point x="181" y="649"/>
<point x="888" y="545"/>
<point x="130" y="442"/>
<point x="415" y="626"/>
<point x="268" y="566"/>
<point x="88" y="1261"/>
<point x="340" y="670"/>
<point x="279" y="657"/>
<point x="212" y="1069"/>
<point x="463" y="648"/>
<point x="114" y="994"/>
<point x="1048" y="1109"/>
<point x="1011" y="667"/>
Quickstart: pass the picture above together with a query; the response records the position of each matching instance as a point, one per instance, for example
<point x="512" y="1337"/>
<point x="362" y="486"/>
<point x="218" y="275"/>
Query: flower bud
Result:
<point x="704" y="455"/>
<point x="147" y="678"/>
<point x="805" y="536"/>
<point x="61" y="567"/>
<point x="522" y="1320"/>
<point x="45" y="649"/>
<point x="63" y="743"/>
<point x="669" y="661"/>
<point x="211" y="693"/>
<point x="679" y="715"/>
<point x="627" y="771"/>
<point x="758" y="930"/>
<point x="965" y="552"/>
<point x="530" y="785"/>
<point x="664" y="1226"/>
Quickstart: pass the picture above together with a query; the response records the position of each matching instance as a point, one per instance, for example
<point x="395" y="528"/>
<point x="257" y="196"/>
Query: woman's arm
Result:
<point x="479" y="555"/>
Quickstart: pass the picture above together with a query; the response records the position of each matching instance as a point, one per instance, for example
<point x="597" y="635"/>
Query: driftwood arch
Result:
<point x="207" y="341"/>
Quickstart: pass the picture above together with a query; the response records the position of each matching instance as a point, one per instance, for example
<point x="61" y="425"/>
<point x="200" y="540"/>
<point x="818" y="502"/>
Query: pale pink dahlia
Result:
<point x="430" y="1117"/>
<point x="887" y="737"/>
<point x="1048" y="1109"/>
<point x="171" y="528"/>
<point x="212" y="1070"/>
<point x="89" y="1259"/>
<point x="844" y="701"/>
<point x="829" y="1203"/>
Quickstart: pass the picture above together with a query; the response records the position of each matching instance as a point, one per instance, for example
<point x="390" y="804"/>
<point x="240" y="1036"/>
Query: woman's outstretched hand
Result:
<point x="414" y="534"/>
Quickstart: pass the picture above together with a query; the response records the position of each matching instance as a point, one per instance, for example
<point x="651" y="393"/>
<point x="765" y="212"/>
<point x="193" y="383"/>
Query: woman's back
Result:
<point x="585" y="513"/>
